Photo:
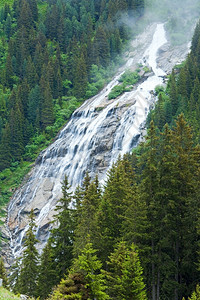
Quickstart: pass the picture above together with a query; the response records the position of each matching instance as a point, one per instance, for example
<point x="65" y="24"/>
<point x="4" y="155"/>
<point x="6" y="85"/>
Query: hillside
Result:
<point x="110" y="208"/>
<point x="48" y="67"/>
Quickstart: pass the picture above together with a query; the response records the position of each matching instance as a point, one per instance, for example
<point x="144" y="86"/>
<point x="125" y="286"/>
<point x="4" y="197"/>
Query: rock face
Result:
<point x="97" y="133"/>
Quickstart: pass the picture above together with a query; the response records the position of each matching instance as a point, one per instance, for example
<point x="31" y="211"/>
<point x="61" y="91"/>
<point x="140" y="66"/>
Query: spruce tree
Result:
<point x="47" y="277"/>
<point x="29" y="265"/>
<point x="86" y="222"/>
<point x="85" y="279"/>
<point x="62" y="236"/>
<point x="149" y="188"/>
<point x="47" y="112"/>
<point x="112" y="208"/>
<point x="125" y="275"/>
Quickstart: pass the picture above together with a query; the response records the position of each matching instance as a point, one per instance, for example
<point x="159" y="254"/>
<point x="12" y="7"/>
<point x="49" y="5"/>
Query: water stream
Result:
<point x="92" y="140"/>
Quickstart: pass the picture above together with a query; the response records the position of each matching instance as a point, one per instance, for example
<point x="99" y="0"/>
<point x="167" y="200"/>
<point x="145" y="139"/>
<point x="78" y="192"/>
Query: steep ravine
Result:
<point x="97" y="133"/>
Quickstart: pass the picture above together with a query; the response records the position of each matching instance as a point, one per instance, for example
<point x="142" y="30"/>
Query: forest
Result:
<point x="53" y="56"/>
<point x="138" y="237"/>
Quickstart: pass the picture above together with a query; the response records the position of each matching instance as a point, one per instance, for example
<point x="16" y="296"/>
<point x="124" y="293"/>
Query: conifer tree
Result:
<point x="80" y="77"/>
<point x="173" y="93"/>
<point x="25" y="17"/>
<point x="86" y="223"/>
<point x="85" y="279"/>
<point x="63" y="235"/>
<point x="149" y="188"/>
<point x="125" y="275"/>
<point x="102" y="50"/>
<point x="112" y="208"/>
<point x="47" y="277"/>
<point x="47" y="112"/>
<point x="29" y="268"/>
<point x="5" y="148"/>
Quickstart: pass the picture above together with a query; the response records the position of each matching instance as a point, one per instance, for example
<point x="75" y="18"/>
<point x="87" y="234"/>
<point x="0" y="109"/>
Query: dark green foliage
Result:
<point x="87" y="204"/>
<point x="124" y="277"/>
<point x="53" y="45"/>
<point x="85" y="281"/>
<point x="29" y="265"/>
<point x="47" y="272"/>
<point x="57" y="255"/>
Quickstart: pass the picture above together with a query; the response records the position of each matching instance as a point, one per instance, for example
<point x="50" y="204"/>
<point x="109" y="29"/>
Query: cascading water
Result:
<point x="92" y="140"/>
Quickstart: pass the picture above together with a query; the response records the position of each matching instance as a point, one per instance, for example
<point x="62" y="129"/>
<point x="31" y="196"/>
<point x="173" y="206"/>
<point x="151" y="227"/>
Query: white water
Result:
<point x="81" y="142"/>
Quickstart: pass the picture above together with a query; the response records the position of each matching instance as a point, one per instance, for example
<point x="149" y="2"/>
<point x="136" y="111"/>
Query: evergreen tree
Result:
<point x="47" y="112"/>
<point x="112" y="209"/>
<point x="62" y="236"/>
<point x="5" y="148"/>
<point x="173" y="93"/>
<point x="25" y="17"/>
<point x="80" y="77"/>
<point x="47" y="277"/>
<point x="149" y="188"/>
<point x="86" y="223"/>
<point x="29" y="269"/>
<point x="124" y="277"/>
<point x="85" y="279"/>
<point x="102" y="50"/>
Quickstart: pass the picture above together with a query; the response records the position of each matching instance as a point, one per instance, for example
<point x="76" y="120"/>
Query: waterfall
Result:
<point x="96" y="134"/>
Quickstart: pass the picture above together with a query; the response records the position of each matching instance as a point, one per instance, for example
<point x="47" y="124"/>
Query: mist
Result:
<point x="180" y="17"/>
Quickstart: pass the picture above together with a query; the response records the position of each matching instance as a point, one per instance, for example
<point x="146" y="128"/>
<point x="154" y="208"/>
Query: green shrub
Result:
<point x="116" y="91"/>
<point x="129" y="77"/>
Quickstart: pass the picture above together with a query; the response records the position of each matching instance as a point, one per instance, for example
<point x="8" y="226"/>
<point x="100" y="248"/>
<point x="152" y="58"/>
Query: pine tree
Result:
<point x="173" y="93"/>
<point x="16" y="132"/>
<point x="149" y="188"/>
<point x="34" y="103"/>
<point x="112" y="208"/>
<point x="102" y="50"/>
<point x="9" y="72"/>
<point x="5" y="148"/>
<point x="47" y="112"/>
<point x="186" y="205"/>
<point x="86" y="215"/>
<point x="29" y="269"/>
<point x="88" y="264"/>
<point x="47" y="277"/>
<point x="125" y="275"/>
<point x="63" y="235"/>
<point x="85" y="279"/>
<point x="25" y="17"/>
<point x="80" y="77"/>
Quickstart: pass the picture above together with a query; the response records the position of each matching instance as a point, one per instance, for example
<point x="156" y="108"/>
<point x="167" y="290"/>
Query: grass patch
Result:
<point x="128" y="80"/>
